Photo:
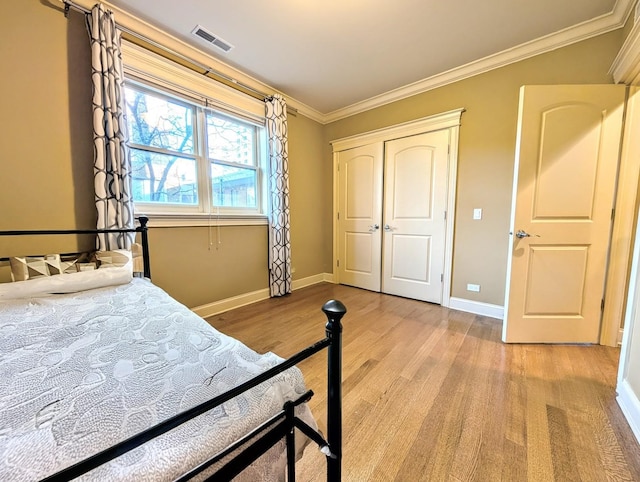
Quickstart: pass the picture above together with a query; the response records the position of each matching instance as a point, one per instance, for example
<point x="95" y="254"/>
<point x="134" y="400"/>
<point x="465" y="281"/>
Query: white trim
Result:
<point x="336" y="200"/>
<point x="591" y="28"/>
<point x="227" y="304"/>
<point x="430" y="123"/>
<point x="308" y="281"/>
<point x="452" y="182"/>
<point x="155" y="69"/>
<point x="631" y="310"/>
<point x="577" y="33"/>
<point x="221" y="306"/>
<point x="627" y="399"/>
<point x="630" y="406"/>
<point x="625" y="204"/>
<point x="477" y="307"/>
<point x="130" y="21"/>
<point x="201" y="219"/>
<point x="626" y="65"/>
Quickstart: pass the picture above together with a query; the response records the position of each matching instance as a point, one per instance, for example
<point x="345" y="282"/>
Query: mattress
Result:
<point x="82" y="371"/>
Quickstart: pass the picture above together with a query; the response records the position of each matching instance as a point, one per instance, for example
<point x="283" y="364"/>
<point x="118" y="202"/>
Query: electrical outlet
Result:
<point x="477" y="213"/>
<point x="472" y="287"/>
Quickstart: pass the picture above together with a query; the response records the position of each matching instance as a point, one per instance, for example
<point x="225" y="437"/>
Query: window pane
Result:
<point x="233" y="186"/>
<point x="230" y="140"/>
<point x="159" y="178"/>
<point x="157" y="122"/>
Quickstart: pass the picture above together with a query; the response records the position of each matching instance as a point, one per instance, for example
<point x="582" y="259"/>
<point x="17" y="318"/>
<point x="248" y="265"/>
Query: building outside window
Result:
<point x="188" y="158"/>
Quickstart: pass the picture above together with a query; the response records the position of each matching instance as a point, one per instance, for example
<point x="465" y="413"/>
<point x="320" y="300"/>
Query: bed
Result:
<point x="104" y="376"/>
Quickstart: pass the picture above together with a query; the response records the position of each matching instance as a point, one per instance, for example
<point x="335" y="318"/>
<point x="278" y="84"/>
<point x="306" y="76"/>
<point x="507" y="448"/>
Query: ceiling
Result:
<point x="336" y="55"/>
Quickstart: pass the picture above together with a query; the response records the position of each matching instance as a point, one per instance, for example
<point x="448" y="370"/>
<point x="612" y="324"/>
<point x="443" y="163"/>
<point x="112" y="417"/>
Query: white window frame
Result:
<point x="153" y="73"/>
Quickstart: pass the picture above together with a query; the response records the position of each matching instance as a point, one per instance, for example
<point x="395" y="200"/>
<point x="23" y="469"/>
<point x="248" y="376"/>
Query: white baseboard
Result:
<point x="308" y="281"/>
<point x="477" y="307"/>
<point x="329" y="278"/>
<point x="227" y="304"/>
<point x="217" y="307"/>
<point x="630" y="406"/>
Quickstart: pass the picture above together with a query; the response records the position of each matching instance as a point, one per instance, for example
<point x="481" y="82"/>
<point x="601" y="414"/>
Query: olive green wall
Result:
<point x="307" y="197"/>
<point x="45" y="127"/>
<point x="486" y="149"/>
<point x="201" y="265"/>
<point x="46" y="166"/>
<point x="47" y="157"/>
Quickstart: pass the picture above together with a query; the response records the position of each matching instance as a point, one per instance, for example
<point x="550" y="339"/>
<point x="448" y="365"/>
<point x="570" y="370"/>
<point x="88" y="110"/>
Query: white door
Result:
<point x="415" y="199"/>
<point x="564" y="183"/>
<point x="360" y="216"/>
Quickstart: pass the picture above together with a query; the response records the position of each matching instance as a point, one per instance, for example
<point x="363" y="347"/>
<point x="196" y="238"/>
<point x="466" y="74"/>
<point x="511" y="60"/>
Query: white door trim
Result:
<point x="447" y="120"/>
<point x="418" y="126"/>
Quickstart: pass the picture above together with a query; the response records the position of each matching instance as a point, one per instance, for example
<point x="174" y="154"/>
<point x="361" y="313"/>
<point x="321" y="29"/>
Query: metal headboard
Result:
<point x="142" y="229"/>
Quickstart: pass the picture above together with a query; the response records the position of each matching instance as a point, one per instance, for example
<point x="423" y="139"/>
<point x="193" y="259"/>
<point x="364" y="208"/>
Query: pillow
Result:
<point x="29" y="267"/>
<point x="111" y="259"/>
<point x="35" y="276"/>
<point x="66" y="283"/>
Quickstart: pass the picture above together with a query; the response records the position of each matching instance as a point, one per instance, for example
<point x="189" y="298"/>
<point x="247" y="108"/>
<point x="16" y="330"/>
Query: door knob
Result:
<point x="388" y="228"/>
<point x="374" y="227"/>
<point x="523" y="234"/>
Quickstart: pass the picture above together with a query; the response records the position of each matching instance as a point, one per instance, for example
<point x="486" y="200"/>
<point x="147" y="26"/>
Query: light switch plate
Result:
<point x="477" y="213"/>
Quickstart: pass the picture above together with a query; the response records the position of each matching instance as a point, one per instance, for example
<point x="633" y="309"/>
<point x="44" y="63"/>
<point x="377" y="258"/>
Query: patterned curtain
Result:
<point x="279" y="237"/>
<point x="112" y="165"/>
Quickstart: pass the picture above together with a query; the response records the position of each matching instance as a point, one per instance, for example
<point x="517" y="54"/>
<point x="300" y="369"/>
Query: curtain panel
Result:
<point x="112" y="165"/>
<point x="279" y="224"/>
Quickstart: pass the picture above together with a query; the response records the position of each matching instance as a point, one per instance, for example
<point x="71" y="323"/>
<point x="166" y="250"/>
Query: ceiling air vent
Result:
<point x="207" y="36"/>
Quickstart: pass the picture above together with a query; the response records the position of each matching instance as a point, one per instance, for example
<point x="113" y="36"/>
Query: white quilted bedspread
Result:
<point x="83" y="371"/>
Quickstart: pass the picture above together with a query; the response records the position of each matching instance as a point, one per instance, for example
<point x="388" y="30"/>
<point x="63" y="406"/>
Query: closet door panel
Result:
<point x="360" y="216"/>
<point x="415" y="198"/>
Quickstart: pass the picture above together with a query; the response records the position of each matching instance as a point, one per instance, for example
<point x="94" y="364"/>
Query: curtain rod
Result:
<point x="165" y="52"/>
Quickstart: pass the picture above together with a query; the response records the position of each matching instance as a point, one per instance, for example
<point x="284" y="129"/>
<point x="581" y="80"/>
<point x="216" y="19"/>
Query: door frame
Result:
<point x="446" y="120"/>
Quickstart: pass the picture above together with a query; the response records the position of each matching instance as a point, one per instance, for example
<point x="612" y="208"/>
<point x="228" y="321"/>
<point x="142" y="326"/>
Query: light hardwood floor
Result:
<point x="433" y="394"/>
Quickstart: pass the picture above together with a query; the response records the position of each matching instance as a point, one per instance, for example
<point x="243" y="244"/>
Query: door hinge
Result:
<point x="442" y="278"/>
<point x="602" y="305"/>
<point x="338" y="263"/>
<point x="445" y="215"/>
<point x="338" y="216"/>
<point x="613" y="213"/>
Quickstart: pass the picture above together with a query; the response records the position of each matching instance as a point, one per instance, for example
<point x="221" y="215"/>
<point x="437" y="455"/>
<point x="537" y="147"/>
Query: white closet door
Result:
<point x="414" y="225"/>
<point x="360" y="216"/>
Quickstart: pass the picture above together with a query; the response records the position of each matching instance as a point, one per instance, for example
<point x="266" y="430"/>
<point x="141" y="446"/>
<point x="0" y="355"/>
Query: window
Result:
<point x="189" y="159"/>
<point x="232" y="154"/>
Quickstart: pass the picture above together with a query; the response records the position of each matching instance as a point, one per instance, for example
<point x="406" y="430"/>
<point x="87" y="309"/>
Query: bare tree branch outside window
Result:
<point x="165" y="155"/>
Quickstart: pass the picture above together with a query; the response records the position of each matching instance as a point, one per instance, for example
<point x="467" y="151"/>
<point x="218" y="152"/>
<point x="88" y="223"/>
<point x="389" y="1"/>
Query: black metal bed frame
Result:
<point x="257" y="442"/>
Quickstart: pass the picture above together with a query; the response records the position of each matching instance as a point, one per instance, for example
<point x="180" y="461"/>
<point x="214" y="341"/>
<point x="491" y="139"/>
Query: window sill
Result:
<point x="157" y="220"/>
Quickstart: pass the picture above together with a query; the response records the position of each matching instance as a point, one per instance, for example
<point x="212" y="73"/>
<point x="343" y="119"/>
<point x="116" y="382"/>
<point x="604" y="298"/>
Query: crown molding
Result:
<point x="418" y="126"/>
<point x="583" y="31"/>
<point x="135" y="24"/>
<point x="626" y="66"/>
